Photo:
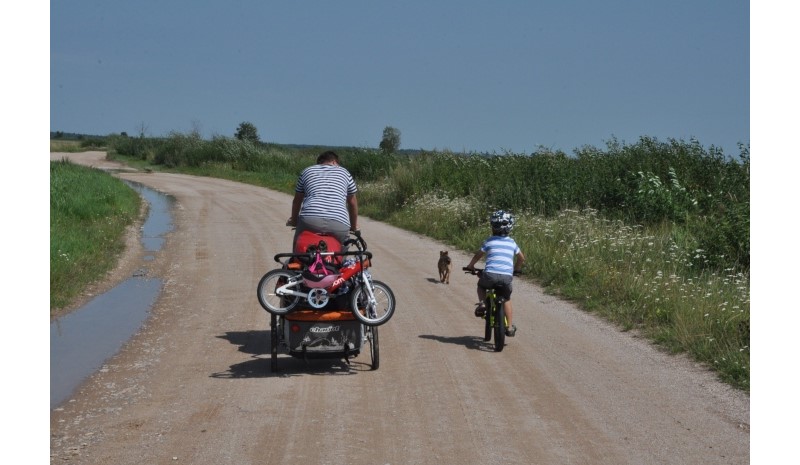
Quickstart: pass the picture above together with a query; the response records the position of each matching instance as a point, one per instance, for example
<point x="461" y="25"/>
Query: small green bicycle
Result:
<point x="495" y="317"/>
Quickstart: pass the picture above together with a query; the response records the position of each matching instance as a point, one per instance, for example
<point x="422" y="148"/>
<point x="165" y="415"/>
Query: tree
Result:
<point x="391" y="140"/>
<point x="247" y="131"/>
<point x="142" y="130"/>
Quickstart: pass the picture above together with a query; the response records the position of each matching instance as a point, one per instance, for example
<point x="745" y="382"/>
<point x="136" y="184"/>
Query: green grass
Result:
<point x="89" y="213"/>
<point x="66" y="146"/>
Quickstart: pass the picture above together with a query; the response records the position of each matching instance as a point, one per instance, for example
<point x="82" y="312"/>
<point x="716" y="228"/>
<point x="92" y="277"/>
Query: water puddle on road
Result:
<point x="83" y="340"/>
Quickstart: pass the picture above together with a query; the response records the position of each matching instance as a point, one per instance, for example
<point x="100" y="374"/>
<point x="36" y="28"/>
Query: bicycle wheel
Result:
<point x="269" y="298"/>
<point x="372" y="312"/>
<point x="374" y="348"/>
<point x="500" y="328"/>
<point x="487" y="334"/>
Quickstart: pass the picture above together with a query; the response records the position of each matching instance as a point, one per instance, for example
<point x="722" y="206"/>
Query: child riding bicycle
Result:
<point x="504" y="258"/>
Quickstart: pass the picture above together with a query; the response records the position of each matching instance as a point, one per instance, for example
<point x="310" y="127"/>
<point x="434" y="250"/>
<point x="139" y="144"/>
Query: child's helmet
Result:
<point x="502" y="222"/>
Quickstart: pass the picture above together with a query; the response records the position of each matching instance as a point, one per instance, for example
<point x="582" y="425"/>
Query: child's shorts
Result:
<point x="500" y="282"/>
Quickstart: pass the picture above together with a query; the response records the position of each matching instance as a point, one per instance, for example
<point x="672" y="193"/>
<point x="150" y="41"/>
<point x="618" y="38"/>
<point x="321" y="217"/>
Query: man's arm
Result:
<point x="352" y="210"/>
<point x="297" y="202"/>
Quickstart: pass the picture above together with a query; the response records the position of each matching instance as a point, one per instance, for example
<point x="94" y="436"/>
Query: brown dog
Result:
<point x="445" y="265"/>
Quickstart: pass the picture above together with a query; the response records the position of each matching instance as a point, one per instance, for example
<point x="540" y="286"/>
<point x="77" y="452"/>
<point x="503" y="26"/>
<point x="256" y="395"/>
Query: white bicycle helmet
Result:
<point x="502" y="222"/>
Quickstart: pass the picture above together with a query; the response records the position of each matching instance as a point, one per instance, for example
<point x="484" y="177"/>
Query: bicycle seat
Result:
<point x="317" y="280"/>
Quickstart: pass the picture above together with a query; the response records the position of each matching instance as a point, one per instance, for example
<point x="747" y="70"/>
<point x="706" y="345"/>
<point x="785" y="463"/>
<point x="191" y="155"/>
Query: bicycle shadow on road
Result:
<point x="470" y="342"/>
<point x="256" y="343"/>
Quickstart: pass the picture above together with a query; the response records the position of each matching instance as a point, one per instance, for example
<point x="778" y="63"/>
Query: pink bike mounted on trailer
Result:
<point x="328" y="276"/>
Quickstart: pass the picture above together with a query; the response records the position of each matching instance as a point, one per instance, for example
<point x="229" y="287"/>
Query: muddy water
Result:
<point x="83" y="340"/>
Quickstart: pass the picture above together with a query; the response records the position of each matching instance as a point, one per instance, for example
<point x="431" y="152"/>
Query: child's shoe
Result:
<point x="480" y="311"/>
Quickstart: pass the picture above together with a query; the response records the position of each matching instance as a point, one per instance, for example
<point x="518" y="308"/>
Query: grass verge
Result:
<point x="89" y="213"/>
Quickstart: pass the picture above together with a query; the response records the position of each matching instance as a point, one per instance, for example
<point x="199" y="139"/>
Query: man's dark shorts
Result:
<point x="502" y="282"/>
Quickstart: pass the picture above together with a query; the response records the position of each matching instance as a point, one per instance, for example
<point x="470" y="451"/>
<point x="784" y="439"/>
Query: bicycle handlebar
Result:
<point x="359" y="242"/>
<point x="478" y="271"/>
<point x="311" y="255"/>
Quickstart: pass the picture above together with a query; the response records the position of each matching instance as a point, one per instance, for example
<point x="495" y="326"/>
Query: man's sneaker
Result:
<point x="480" y="311"/>
<point x="510" y="332"/>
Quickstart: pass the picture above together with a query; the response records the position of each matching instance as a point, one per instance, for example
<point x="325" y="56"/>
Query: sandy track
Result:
<point x="194" y="385"/>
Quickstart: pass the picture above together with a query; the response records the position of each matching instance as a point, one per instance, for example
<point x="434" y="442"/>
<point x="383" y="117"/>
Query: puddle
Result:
<point x="83" y="340"/>
<point x="159" y="217"/>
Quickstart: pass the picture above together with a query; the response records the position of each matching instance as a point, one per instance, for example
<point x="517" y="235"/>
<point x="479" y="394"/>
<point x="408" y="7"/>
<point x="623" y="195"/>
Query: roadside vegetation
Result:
<point x="89" y="213"/>
<point x="653" y="236"/>
<point x="77" y="145"/>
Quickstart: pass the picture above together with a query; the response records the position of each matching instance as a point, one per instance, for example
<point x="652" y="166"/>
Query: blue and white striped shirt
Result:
<point x="325" y="189"/>
<point x="500" y="252"/>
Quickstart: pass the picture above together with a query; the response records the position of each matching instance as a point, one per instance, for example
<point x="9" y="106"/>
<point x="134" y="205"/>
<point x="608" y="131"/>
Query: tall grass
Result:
<point x="89" y="212"/>
<point x="653" y="236"/>
<point x="66" y="146"/>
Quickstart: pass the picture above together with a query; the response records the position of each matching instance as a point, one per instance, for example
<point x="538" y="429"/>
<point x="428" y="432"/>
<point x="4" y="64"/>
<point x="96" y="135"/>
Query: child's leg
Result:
<point x="509" y="312"/>
<point x="480" y="310"/>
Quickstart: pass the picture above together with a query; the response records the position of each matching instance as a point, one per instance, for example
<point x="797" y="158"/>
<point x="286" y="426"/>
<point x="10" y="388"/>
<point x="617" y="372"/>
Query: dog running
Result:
<point x="445" y="266"/>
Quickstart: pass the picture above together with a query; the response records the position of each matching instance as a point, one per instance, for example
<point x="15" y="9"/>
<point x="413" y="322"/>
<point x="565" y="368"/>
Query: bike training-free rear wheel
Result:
<point x="487" y="333"/>
<point x="267" y="296"/>
<point x="374" y="348"/>
<point x="500" y="328"/>
<point x="372" y="312"/>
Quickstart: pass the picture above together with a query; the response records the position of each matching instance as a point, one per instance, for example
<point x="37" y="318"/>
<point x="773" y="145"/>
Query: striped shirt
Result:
<point x="325" y="189"/>
<point x="500" y="252"/>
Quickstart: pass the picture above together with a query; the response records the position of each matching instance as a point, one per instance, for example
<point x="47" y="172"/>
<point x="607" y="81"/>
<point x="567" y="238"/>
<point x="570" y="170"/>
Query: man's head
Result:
<point x="328" y="157"/>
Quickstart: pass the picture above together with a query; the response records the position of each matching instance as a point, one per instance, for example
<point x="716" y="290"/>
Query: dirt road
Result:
<point x="194" y="386"/>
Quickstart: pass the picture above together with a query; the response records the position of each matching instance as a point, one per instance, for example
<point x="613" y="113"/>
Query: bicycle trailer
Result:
<point x="322" y="333"/>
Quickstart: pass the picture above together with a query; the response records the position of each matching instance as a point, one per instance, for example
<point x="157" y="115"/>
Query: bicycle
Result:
<point x="495" y="317"/>
<point x="281" y="290"/>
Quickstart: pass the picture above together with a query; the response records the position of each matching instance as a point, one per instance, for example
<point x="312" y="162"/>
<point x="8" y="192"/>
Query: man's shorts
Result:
<point x="323" y="226"/>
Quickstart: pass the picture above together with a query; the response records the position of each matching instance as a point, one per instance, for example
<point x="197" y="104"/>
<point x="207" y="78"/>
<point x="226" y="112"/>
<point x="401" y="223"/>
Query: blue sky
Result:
<point x="460" y="75"/>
